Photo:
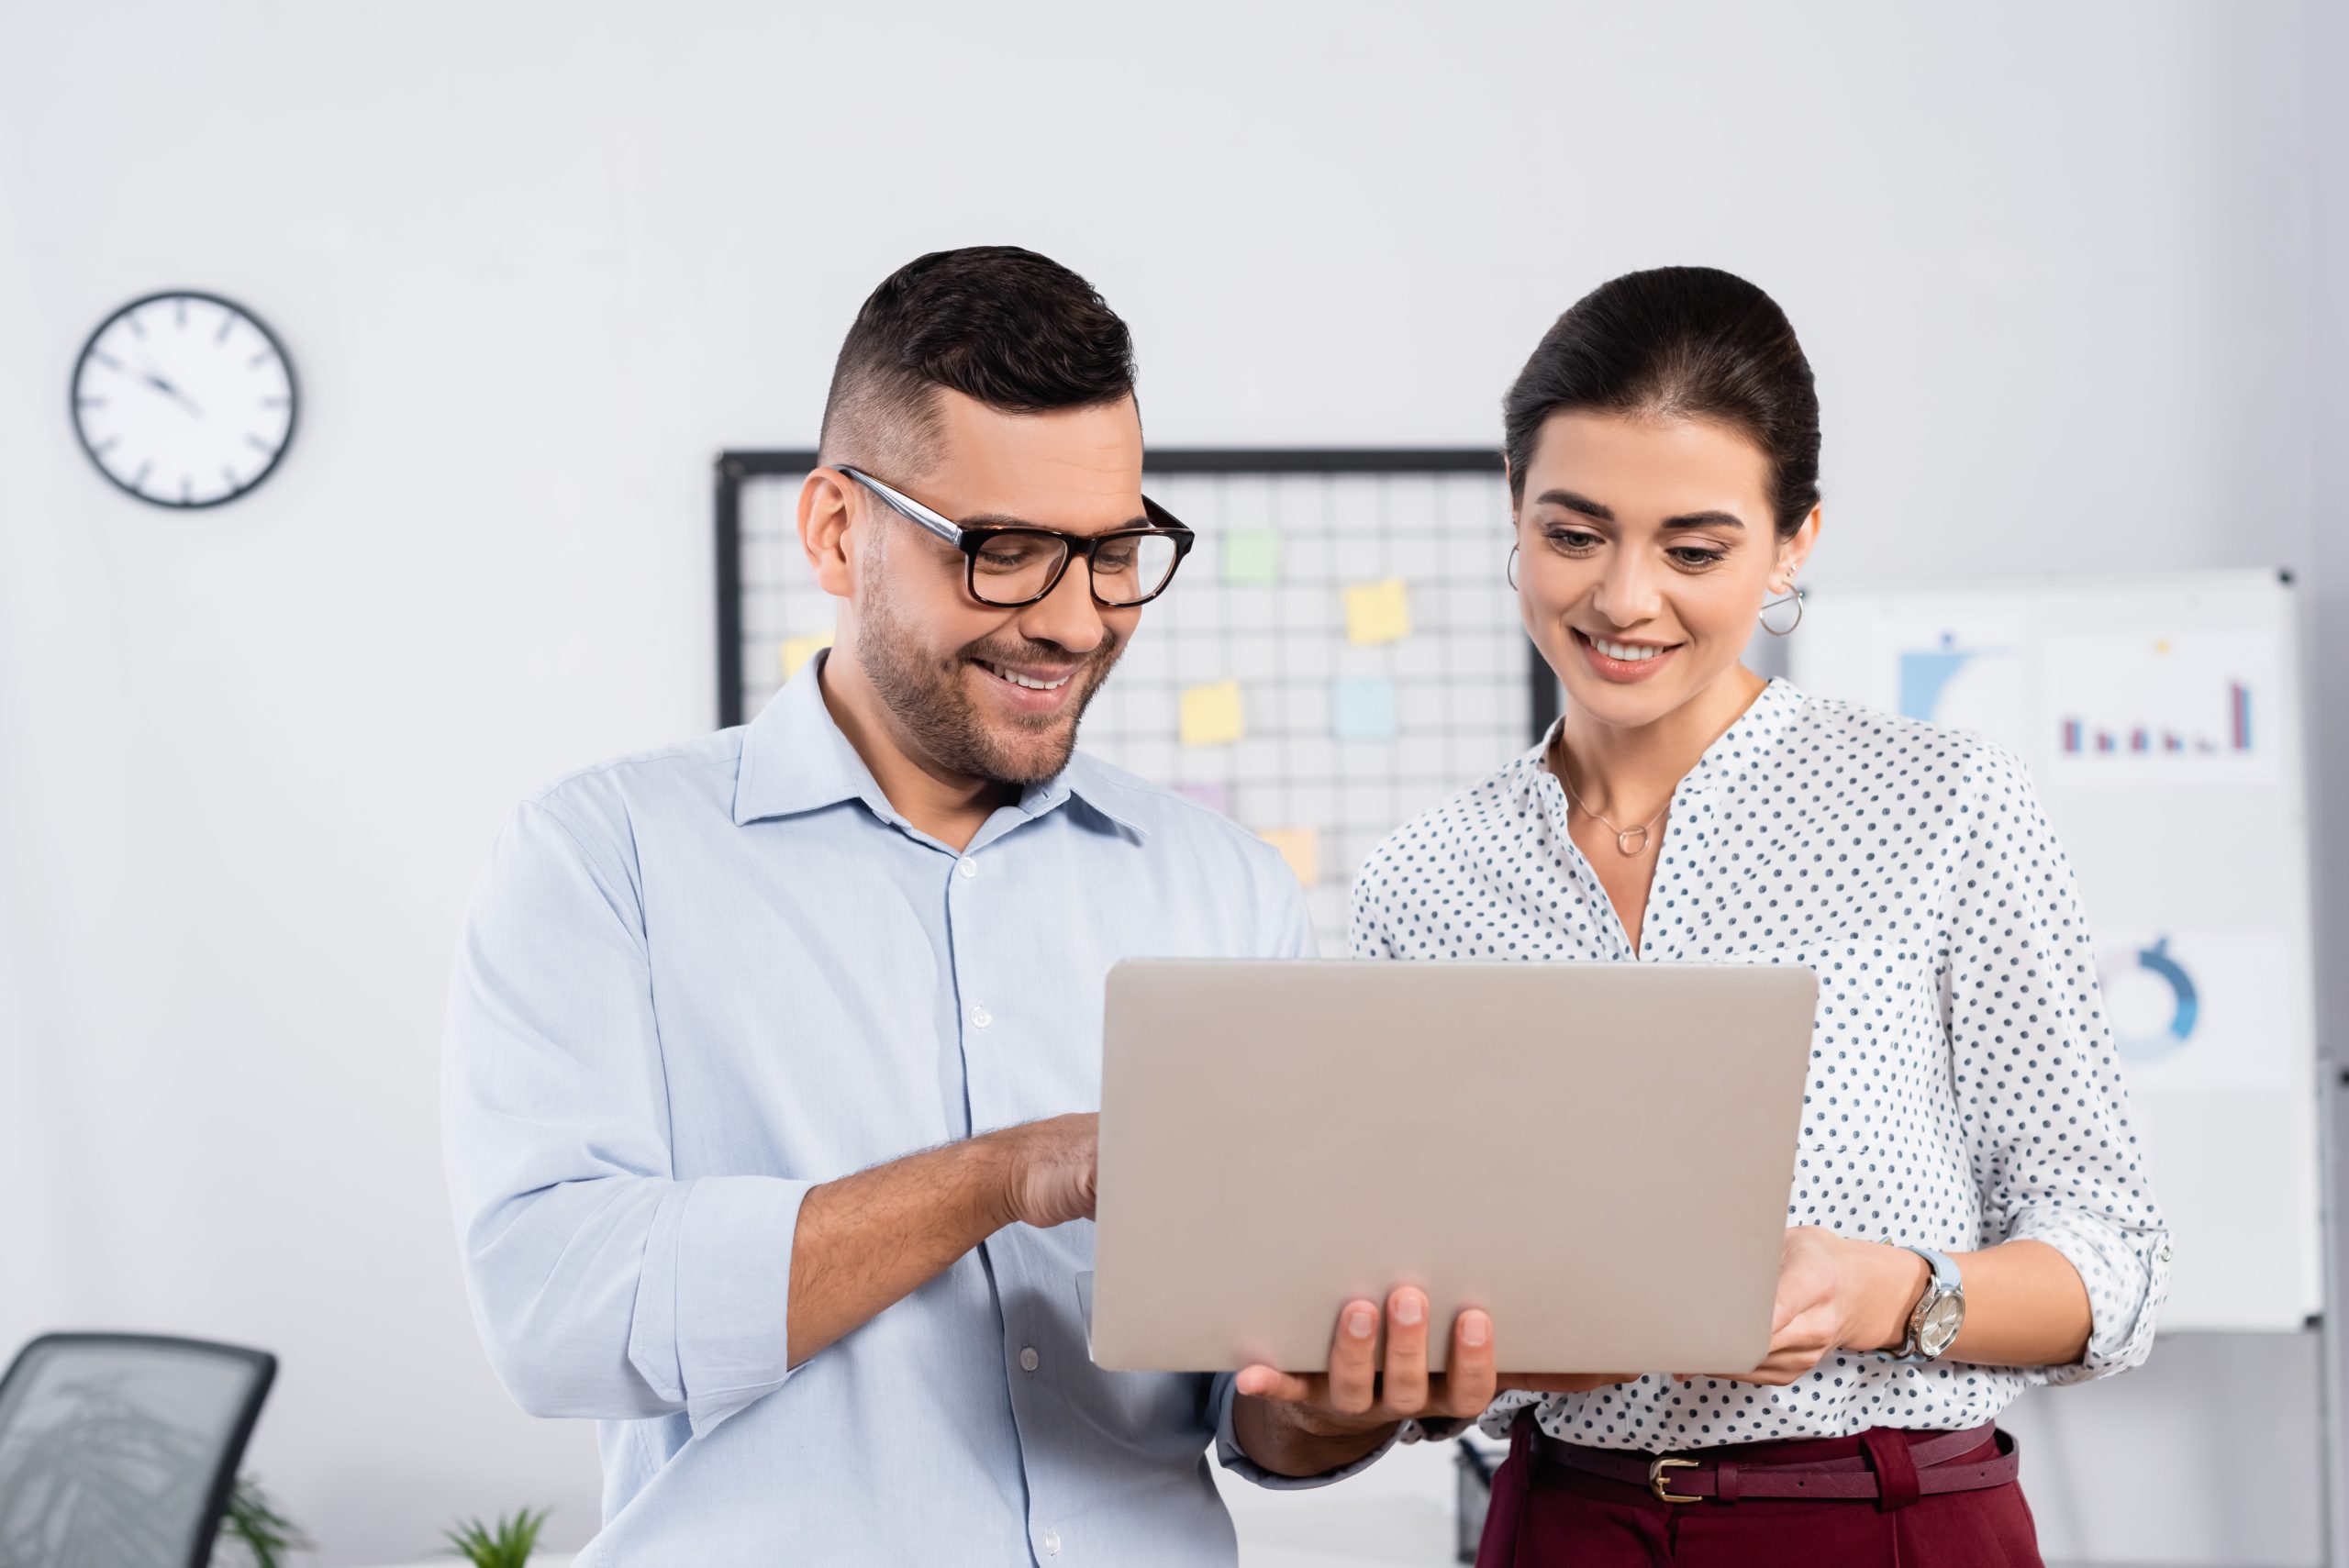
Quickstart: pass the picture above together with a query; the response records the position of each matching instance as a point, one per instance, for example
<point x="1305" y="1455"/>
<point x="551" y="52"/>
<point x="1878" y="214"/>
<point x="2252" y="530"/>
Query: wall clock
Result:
<point x="183" y="399"/>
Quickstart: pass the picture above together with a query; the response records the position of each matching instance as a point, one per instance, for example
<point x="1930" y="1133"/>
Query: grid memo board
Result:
<point x="1341" y="651"/>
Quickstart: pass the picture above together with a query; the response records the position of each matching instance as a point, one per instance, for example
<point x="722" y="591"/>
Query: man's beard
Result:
<point x="935" y="710"/>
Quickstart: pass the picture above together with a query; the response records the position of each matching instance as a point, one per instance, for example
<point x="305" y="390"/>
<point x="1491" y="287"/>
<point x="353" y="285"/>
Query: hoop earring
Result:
<point x="1512" y="564"/>
<point x="1794" y="597"/>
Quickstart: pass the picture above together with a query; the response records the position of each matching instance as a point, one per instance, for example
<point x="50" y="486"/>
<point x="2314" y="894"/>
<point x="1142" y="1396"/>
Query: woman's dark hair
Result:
<point x="1016" y="331"/>
<point x="1684" y="343"/>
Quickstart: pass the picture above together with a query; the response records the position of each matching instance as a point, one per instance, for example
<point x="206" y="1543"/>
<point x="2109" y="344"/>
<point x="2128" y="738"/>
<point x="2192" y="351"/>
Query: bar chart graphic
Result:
<point x="2135" y="707"/>
<point x="2230" y="731"/>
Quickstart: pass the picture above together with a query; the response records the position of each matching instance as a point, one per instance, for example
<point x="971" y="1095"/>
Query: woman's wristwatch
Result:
<point x="1934" y="1321"/>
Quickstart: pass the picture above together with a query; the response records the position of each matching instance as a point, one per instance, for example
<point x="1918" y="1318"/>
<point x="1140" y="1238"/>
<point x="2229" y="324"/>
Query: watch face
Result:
<point x="1943" y="1320"/>
<point x="183" y="400"/>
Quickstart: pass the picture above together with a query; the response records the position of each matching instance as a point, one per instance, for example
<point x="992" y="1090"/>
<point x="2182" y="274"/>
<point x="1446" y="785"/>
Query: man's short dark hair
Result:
<point x="1015" y="331"/>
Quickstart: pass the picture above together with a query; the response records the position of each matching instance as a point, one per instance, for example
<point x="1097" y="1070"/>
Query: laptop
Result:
<point x="1598" y="1154"/>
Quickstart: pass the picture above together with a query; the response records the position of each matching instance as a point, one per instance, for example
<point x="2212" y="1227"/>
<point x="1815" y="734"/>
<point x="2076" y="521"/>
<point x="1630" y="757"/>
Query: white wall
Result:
<point x="535" y="264"/>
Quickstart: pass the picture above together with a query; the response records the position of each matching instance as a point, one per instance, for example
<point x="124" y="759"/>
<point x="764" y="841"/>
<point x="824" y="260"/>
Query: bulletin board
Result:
<point x="1341" y="651"/>
<point x="2160" y="717"/>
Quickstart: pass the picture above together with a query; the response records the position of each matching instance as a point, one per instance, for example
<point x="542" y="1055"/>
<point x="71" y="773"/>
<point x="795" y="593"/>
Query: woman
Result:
<point x="1968" y="1162"/>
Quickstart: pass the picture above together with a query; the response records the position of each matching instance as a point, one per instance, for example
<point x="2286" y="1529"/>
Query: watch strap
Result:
<point x="1943" y="1281"/>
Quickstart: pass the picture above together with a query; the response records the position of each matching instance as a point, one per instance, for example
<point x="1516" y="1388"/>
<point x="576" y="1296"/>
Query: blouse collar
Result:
<point x="1733" y="755"/>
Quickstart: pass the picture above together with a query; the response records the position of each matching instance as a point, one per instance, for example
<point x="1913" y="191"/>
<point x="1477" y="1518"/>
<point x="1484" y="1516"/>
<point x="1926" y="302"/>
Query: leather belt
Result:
<point x="1893" y="1468"/>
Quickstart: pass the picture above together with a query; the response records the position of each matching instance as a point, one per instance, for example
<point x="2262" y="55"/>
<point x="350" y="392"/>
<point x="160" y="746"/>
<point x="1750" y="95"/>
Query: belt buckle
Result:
<point x="1662" y="1488"/>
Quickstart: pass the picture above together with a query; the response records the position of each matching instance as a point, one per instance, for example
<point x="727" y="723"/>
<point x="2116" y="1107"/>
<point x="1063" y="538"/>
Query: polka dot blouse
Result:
<point x="1964" y="1089"/>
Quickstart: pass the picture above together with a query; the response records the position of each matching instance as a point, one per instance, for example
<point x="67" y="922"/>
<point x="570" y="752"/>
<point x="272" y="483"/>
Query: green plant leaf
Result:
<point x="253" y="1521"/>
<point x="507" y="1545"/>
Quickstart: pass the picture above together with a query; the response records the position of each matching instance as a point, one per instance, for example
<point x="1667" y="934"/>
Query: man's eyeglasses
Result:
<point x="1015" y="566"/>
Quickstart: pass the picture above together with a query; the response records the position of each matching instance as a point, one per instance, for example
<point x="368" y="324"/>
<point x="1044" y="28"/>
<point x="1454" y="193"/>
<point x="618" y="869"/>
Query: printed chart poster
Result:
<point x="2159" y="721"/>
<point x="2182" y="707"/>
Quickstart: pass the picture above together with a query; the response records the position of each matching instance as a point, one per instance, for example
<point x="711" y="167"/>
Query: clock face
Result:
<point x="1942" y="1320"/>
<point x="183" y="399"/>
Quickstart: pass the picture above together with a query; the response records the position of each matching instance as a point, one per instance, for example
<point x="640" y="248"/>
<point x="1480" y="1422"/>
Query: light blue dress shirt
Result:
<point x="697" y="982"/>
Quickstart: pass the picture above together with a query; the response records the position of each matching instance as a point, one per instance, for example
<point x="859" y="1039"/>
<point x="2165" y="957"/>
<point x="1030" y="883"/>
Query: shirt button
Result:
<point x="1052" y="1544"/>
<point x="1029" y="1360"/>
<point x="968" y="866"/>
<point x="981" y="1017"/>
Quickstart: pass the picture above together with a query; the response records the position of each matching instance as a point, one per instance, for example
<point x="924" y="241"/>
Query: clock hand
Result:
<point x="168" y="390"/>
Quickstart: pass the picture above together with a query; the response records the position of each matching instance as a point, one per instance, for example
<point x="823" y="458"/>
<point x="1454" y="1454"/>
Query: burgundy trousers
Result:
<point x="1546" y="1516"/>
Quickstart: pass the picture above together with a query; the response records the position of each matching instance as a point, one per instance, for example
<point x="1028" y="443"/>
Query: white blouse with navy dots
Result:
<point x="1964" y="1089"/>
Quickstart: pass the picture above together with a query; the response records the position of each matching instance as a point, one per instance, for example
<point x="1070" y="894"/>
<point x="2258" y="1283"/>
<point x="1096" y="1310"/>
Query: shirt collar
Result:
<point x="795" y="760"/>
<point x="1730" y="758"/>
<point x="1733" y="755"/>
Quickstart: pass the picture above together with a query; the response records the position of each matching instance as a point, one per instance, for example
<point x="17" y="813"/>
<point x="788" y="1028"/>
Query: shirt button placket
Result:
<point x="967" y="868"/>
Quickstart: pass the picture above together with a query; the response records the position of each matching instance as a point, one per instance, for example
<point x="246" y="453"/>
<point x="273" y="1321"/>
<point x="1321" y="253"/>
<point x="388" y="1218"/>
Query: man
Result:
<point x="772" y="1055"/>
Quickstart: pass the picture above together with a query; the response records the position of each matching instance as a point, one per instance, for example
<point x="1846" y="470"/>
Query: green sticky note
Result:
<point x="1251" y="557"/>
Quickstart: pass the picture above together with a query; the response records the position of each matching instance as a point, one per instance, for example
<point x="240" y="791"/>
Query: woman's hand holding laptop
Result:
<point x="1835" y="1293"/>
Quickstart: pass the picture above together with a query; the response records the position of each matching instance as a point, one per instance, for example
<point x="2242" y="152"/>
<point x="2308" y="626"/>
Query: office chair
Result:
<point x="119" y="1450"/>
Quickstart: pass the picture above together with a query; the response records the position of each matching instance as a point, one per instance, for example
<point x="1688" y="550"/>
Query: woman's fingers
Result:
<point x="1405" y="1391"/>
<point x="1795" y="1348"/>
<point x="1469" y="1379"/>
<point x="1354" y="1368"/>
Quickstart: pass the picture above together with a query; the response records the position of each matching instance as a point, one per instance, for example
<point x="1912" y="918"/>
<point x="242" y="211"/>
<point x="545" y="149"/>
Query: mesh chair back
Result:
<point x="119" y="1450"/>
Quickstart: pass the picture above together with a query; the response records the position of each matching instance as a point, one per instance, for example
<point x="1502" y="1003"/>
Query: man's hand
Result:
<point x="1303" y="1424"/>
<point x="1051" y="1170"/>
<point x="1357" y="1395"/>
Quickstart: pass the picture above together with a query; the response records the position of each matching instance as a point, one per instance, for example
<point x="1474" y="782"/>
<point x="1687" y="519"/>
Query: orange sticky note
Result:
<point x="1301" y="847"/>
<point x="1378" y="612"/>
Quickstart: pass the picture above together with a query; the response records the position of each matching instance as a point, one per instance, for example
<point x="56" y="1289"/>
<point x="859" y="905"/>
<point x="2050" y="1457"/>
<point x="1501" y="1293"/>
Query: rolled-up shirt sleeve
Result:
<point x="2055" y="1154"/>
<point x="602" y="1286"/>
<point x="1235" y="1458"/>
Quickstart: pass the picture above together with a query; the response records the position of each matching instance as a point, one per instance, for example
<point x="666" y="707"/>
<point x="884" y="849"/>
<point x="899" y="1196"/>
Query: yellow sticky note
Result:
<point x="1212" y="714"/>
<point x="1301" y="847"/>
<point x="1378" y="612"/>
<point x="798" y="650"/>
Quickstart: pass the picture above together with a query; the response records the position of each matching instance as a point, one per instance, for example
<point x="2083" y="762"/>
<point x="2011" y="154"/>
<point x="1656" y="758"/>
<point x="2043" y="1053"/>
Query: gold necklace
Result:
<point x="1623" y="836"/>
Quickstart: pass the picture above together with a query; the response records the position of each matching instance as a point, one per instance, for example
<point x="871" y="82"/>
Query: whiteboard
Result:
<point x="1341" y="651"/>
<point x="2160" y="717"/>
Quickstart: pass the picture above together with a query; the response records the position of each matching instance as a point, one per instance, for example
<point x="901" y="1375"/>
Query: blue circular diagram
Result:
<point x="2152" y="1046"/>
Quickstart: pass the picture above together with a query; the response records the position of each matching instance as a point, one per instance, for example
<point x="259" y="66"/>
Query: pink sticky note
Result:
<point x="1214" y="796"/>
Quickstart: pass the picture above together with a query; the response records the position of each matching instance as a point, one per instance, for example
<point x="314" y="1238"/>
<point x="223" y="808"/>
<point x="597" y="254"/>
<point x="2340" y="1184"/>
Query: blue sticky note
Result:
<point x="1361" y="708"/>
